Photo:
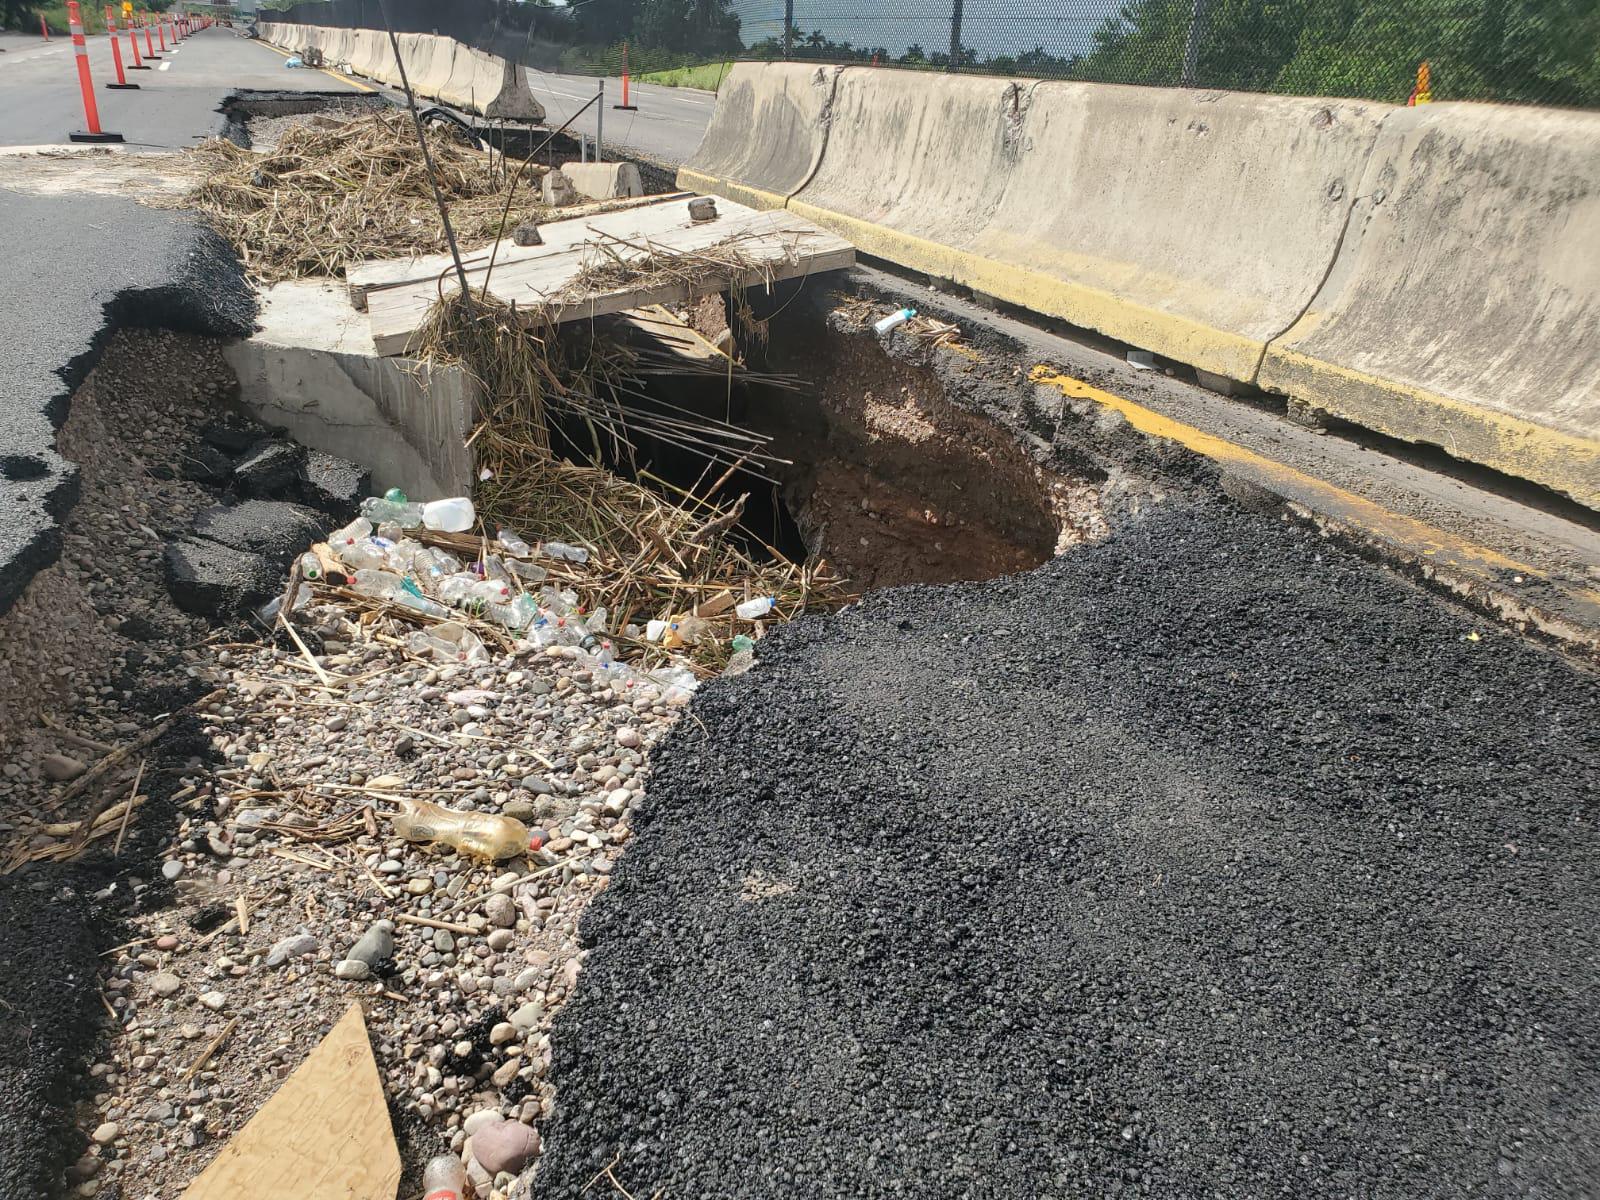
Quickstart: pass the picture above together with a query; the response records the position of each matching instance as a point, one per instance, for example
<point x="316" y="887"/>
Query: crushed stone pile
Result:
<point x="1208" y="860"/>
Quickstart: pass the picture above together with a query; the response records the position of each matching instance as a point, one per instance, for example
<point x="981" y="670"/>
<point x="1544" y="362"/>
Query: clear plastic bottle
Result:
<point x="371" y="552"/>
<point x="379" y="510"/>
<point x="436" y="563"/>
<point x="444" y="1178"/>
<point x="492" y="568"/>
<point x="755" y="609"/>
<point x="483" y="835"/>
<point x="379" y="584"/>
<point x="454" y="515"/>
<point x="458" y="589"/>
<point x="310" y="567"/>
<point x="448" y="641"/>
<point x="410" y="596"/>
<point x="519" y="614"/>
<point x="561" y="550"/>
<point x="349" y="535"/>
<point x="531" y="572"/>
<point x="508" y="540"/>
<point x="492" y="591"/>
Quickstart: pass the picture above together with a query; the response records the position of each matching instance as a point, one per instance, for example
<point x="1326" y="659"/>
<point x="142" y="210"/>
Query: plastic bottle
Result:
<point x="894" y="320"/>
<point x="754" y="610"/>
<point x="454" y="515"/>
<point x="310" y="566"/>
<point x="396" y="496"/>
<point x="508" y="540"/>
<point x="369" y="552"/>
<point x="449" y="641"/>
<point x="269" y="610"/>
<point x="561" y="550"/>
<point x="532" y="572"/>
<point x="483" y="835"/>
<point x="410" y="596"/>
<point x="491" y="591"/>
<point x="379" y="584"/>
<point x="406" y="515"/>
<point x="349" y="535"/>
<point x="444" y="1178"/>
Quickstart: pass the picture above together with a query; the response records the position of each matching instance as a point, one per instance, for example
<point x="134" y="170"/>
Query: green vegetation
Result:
<point x="1546" y="51"/>
<point x="708" y="76"/>
<point x="1540" y="51"/>
<point x="23" y="15"/>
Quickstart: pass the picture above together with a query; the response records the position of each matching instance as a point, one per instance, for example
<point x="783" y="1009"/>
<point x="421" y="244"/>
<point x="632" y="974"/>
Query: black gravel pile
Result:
<point x="1206" y="862"/>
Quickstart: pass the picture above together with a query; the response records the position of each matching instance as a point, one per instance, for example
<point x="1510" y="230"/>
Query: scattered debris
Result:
<point x="334" y="193"/>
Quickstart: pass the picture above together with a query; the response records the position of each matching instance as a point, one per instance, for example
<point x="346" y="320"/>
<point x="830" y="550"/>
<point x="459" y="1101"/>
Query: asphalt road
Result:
<point x="176" y="103"/>
<point x="667" y="125"/>
<point x="1206" y="861"/>
<point x="76" y="264"/>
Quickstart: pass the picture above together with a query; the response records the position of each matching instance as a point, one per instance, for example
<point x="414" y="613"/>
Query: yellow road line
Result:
<point x="328" y="71"/>
<point x="1347" y="507"/>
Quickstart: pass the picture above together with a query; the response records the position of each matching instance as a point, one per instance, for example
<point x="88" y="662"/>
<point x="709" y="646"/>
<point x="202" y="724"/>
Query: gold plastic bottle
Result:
<point x="482" y="835"/>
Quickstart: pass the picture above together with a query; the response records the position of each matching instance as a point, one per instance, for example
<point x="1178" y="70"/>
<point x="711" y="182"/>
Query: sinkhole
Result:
<point x="871" y="465"/>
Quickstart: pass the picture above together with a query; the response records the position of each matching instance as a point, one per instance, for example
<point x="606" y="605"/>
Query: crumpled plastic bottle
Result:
<point x="489" y="836"/>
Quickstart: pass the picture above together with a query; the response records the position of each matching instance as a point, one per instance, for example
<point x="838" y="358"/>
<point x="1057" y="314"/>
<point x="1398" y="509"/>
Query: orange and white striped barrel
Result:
<point x="91" y="111"/>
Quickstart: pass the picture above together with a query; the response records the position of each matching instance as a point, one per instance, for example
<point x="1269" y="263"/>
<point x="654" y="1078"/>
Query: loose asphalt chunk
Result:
<point x="1208" y="861"/>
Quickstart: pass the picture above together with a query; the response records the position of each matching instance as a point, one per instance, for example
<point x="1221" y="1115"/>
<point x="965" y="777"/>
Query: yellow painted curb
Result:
<point x="1565" y="462"/>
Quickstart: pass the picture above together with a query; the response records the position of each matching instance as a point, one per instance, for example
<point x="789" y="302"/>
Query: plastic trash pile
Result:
<point x="379" y="555"/>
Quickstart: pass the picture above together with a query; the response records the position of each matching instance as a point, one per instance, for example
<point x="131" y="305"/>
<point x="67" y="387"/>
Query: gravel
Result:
<point x="1207" y="861"/>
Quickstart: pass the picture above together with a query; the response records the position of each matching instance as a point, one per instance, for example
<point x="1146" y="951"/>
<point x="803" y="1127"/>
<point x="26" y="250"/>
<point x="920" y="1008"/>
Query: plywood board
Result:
<point x="780" y="244"/>
<point x="325" y="1135"/>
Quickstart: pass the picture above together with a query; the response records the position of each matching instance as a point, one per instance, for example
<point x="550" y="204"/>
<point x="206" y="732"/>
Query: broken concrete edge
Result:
<point x="1489" y="582"/>
<point x="204" y="291"/>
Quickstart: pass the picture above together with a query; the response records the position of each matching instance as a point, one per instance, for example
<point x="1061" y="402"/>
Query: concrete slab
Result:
<point x="311" y="369"/>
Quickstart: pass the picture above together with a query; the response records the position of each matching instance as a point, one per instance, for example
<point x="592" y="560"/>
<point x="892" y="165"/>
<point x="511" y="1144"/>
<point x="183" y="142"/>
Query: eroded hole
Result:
<point x="888" y="478"/>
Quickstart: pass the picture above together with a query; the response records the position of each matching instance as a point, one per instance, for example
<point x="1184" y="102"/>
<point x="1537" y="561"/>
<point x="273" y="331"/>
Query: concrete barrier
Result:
<point x="790" y="105"/>
<point x="430" y="57"/>
<point x="603" y="181"/>
<point x="916" y="172"/>
<point x="1430" y="273"/>
<point x="1464" y="307"/>
<point x="491" y="86"/>
<point x="1142" y="213"/>
<point x="439" y="68"/>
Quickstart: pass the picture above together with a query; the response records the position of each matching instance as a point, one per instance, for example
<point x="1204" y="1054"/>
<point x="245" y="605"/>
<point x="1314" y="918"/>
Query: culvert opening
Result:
<point x="883" y="474"/>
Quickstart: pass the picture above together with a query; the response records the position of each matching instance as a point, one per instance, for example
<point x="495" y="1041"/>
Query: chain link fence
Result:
<point x="1519" y="51"/>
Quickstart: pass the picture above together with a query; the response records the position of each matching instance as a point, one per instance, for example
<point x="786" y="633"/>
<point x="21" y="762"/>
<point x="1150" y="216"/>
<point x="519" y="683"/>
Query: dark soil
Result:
<point x="1205" y="861"/>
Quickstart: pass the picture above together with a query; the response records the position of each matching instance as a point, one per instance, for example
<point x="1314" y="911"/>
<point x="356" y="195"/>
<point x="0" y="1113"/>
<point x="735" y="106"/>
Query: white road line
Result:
<point x="163" y="66"/>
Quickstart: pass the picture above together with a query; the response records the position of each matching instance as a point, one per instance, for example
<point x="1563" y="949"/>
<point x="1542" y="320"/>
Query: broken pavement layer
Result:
<point x="163" y="269"/>
<point x="311" y="369"/>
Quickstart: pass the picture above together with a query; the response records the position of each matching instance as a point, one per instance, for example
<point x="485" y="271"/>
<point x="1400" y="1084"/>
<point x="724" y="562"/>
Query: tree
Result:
<point x="1534" y="50"/>
<point x="915" y="55"/>
<point x="693" y="28"/>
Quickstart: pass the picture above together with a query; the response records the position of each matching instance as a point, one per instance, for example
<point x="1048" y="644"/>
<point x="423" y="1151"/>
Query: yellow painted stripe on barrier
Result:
<point x="1563" y="461"/>
<point x="328" y="71"/>
<point x="709" y="185"/>
<point x="1349" y="509"/>
<point x="1216" y="350"/>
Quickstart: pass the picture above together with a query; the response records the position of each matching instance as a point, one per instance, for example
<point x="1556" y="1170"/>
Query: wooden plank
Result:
<point x="568" y="230"/>
<point x="325" y="1134"/>
<point x="782" y="245"/>
<point x="673" y="334"/>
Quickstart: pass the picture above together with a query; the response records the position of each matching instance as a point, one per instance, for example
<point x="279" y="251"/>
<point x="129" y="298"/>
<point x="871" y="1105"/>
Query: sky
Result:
<point x="991" y="27"/>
